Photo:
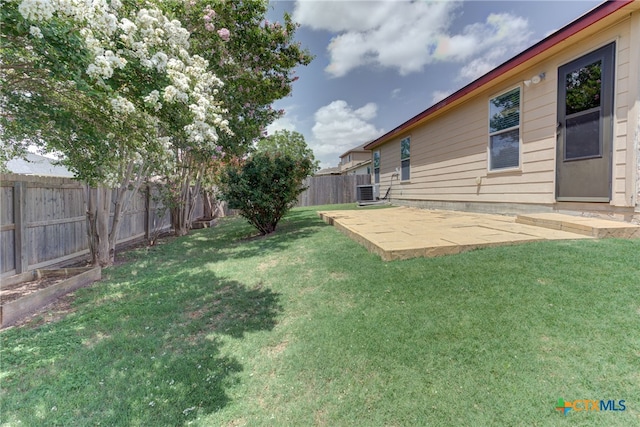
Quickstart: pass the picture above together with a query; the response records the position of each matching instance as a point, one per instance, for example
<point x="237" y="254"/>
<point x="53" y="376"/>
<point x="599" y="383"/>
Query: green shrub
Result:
<point x="264" y="187"/>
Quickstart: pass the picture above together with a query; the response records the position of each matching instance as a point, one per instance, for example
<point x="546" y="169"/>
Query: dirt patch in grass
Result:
<point x="267" y="265"/>
<point x="13" y="292"/>
<point x="92" y="342"/>
<point x="196" y="314"/>
<point x="237" y="423"/>
<point x="28" y="296"/>
<point x="50" y="313"/>
<point x="338" y="276"/>
<point x="277" y="349"/>
<point x="320" y="417"/>
<point x="125" y="252"/>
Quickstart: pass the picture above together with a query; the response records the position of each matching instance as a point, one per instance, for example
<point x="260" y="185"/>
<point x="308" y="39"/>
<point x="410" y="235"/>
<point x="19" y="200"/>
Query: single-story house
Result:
<point x="555" y="128"/>
<point x="328" y="171"/>
<point x="356" y="161"/>
<point x="35" y="164"/>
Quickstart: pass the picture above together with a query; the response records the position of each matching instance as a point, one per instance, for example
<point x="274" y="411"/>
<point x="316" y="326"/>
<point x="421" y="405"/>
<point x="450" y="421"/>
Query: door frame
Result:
<point x="608" y="55"/>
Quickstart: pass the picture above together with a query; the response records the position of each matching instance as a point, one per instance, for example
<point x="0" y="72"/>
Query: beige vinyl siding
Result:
<point x="449" y="153"/>
<point x="621" y="195"/>
<point x="633" y="116"/>
<point x="360" y="157"/>
<point x="389" y="160"/>
<point x="450" y="150"/>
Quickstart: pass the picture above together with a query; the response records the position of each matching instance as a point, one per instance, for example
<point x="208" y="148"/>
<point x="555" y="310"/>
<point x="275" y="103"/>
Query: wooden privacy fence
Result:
<point x="331" y="189"/>
<point x="43" y="221"/>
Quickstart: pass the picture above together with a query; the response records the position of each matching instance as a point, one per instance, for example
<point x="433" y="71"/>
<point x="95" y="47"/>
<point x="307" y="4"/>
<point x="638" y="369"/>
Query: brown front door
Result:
<point x="585" y="127"/>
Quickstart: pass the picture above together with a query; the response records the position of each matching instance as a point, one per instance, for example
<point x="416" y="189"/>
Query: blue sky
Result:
<point x="379" y="63"/>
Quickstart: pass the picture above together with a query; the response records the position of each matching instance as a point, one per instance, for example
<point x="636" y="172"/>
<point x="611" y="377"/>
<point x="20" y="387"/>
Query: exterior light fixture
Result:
<point x="535" y="79"/>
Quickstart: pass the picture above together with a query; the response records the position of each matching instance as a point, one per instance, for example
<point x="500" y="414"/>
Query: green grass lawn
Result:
<point x="305" y="327"/>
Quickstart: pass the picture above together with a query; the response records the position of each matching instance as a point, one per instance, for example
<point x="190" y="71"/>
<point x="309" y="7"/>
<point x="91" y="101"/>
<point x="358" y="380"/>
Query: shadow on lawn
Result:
<point x="295" y="226"/>
<point x="155" y="357"/>
<point x="232" y="241"/>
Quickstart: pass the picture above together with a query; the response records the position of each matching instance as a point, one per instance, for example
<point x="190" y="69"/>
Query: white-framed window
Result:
<point x="504" y="130"/>
<point x="376" y="167"/>
<point x="405" y="161"/>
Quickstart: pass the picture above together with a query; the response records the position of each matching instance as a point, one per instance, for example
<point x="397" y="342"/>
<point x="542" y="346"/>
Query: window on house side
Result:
<point x="504" y="130"/>
<point x="405" y="162"/>
<point x="376" y="167"/>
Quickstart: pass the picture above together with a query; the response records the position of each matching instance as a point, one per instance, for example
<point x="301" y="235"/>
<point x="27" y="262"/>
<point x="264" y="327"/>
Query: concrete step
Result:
<point x="595" y="227"/>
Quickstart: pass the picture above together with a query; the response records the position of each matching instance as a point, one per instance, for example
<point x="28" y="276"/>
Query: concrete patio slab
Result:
<point x="402" y="233"/>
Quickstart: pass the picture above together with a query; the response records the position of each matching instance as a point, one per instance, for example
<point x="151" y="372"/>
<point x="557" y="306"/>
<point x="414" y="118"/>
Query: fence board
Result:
<point x="7" y="227"/>
<point x="20" y="231"/>
<point x="333" y="189"/>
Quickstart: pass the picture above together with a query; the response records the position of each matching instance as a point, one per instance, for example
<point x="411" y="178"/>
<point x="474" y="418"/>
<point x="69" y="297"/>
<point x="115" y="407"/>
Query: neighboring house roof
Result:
<point x="34" y="164"/>
<point x="588" y="19"/>
<point x="328" y="171"/>
<point x="358" y="149"/>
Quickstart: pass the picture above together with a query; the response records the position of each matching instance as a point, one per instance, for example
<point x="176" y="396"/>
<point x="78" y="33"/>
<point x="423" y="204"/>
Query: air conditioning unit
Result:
<point x="365" y="193"/>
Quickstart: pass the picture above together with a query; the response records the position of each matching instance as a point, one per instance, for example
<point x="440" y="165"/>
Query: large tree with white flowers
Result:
<point x="113" y="87"/>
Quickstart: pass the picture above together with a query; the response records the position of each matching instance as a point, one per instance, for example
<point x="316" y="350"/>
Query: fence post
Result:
<point x="148" y="223"/>
<point x="20" y="232"/>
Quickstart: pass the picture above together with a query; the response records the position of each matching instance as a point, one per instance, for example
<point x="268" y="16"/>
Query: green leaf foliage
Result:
<point x="583" y="88"/>
<point x="257" y="60"/>
<point x="287" y="142"/>
<point x="264" y="187"/>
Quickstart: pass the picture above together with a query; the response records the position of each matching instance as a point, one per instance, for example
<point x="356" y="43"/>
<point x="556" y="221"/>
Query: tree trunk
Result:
<point x="220" y="209"/>
<point x="98" y="224"/>
<point x="207" y="204"/>
<point x="182" y="214"/>
<point x="118" y="209"/>
<point x="177" y="221"/>
<point x="102" y="242"/>
<point x="90" y="197"/>
<point x="103" y="205"/>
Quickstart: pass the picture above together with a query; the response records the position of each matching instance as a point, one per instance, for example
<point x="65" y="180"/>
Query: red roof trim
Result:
<point x="586" y="20"/>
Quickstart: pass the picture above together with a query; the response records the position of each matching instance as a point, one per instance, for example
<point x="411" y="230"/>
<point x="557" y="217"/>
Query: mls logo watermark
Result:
<point x="590" y="405"/>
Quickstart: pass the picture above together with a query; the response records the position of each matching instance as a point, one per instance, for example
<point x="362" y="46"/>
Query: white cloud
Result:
<point x="395" y="94"/>
<point x="366" y="112"/>
<point x="339" y="127"/>
<point x="405" y="35"/>
<point x="475" y="69"/>
<point x="283" y="123"/>
<point x="501" y="30"/>
<point x="340" y="15"/>
<point x="439" y="95"/>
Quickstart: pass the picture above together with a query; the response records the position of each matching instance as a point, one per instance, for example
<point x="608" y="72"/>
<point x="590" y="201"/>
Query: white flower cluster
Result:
<point x="36" y="10"/>
<point x="149" y="37"/>
<point x="159" y="61"/>
<point x="127" y="27"/>
<point x="201" y="133"/>
<point x="104" y="65"/>
<point x="152" y="100"/>
<point x="122" y="105"/>
<point x="35" y="32"/>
